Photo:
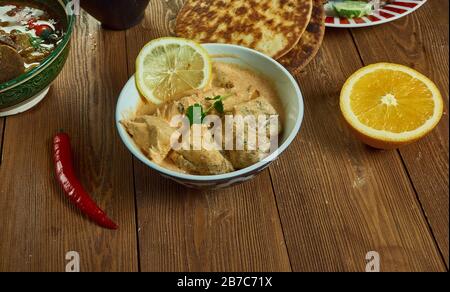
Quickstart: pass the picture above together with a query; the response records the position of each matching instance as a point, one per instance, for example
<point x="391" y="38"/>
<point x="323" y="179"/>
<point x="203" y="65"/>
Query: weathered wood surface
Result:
<point x="37" y="223"/>
<point x="321" y="207"/>
<point x="421" y="41"/>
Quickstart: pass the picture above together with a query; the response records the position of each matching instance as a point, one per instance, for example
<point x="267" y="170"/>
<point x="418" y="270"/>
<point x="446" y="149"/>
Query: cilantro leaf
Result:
<point x="35" y="42"/>
<point x="218" y="105"/>
<point x="195" y="114"/>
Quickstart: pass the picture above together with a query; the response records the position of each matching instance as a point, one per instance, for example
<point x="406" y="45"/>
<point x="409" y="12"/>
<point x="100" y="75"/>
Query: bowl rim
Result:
<point x="16" y="81"/>
<point x="227" y="176"/>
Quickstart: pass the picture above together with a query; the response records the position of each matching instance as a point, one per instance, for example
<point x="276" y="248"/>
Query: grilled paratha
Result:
<point x="272" y="27"/>
<point x="310" y="42"/>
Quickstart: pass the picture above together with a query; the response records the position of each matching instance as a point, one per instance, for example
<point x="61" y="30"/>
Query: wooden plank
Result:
<point x="420" y="41"/>
<point x="339" y="199"/>
<point x="185" y="230"/>
<point x="38" y="225"/>
<point x="2" y="129"/>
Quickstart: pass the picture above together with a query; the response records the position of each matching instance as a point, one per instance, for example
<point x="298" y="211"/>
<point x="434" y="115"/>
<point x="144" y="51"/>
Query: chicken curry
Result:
<point x="240" y="92"/>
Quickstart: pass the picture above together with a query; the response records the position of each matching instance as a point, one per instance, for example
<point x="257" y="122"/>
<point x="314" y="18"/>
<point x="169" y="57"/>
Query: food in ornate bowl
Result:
<point x="34" y="46"/>
<point x="244" y="83"/>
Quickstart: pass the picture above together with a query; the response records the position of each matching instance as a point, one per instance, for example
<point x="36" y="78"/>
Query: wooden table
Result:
<point x="321" y="207"/>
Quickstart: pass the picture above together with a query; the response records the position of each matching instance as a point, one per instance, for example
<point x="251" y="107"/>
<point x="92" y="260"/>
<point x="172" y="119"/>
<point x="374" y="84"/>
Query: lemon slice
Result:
<point x="390" y="105"/>
<point x="168" y="67"/>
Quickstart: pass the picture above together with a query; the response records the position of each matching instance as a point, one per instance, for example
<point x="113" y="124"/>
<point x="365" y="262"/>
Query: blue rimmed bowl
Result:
<point x="287" y="89"/>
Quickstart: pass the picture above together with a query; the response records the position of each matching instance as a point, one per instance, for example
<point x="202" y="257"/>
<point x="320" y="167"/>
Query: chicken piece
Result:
<point x="236" y="87"/>
<point x="25" y="48"/>
<point x="5" y="39"/>
<point x="259" y="106"/>
<point x="22" y="42"/>
<point x="179" y="107"/>
<point x="11" y="64"/>
<point x="236" y="97"/>
<point x="253" y="153"/>
<point x="32" y="56"/>
<point x="152" y="135"/>
<point x="173" y="108"/>
<point x="203" y="162"/>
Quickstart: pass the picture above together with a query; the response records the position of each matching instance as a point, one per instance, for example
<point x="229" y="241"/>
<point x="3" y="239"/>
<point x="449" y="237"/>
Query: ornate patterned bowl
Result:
<point x="288" y="91"/>
<point x="27" y="90"/>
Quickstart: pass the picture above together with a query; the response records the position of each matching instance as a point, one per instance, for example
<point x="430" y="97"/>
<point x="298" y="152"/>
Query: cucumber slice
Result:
<point x="352" y="9"/>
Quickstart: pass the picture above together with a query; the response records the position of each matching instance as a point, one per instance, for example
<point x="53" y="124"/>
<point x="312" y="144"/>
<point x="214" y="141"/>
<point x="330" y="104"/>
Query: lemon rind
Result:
<point x="148" y="94"/>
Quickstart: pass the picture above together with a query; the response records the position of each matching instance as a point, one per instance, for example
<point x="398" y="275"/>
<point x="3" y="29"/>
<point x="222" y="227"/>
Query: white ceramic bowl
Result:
<point x="284" y="83"/>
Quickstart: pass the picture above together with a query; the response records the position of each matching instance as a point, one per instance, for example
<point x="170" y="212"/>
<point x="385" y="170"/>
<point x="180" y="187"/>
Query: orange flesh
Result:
<point x="392" y="101"/>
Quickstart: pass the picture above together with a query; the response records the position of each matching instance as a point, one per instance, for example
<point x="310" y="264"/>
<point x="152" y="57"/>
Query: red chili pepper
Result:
<point x="62" y="156"/>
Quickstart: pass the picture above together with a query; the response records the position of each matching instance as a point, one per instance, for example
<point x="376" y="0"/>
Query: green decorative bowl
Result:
<point x="27" y="90"/>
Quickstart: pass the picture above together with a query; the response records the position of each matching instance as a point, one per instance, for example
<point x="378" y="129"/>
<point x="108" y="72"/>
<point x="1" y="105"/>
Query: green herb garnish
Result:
<point x="218" y="105"/>
<point x="196" y="114"/>
<point x="35" y="42"/>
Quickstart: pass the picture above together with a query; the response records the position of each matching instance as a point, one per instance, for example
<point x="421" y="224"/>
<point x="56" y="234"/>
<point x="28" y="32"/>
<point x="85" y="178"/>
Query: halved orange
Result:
<point x="389" y="105"/>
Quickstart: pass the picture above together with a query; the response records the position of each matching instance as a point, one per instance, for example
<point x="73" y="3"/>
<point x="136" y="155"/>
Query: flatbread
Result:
<point x="310" y="42"/>
<point x="272" y="27"/>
